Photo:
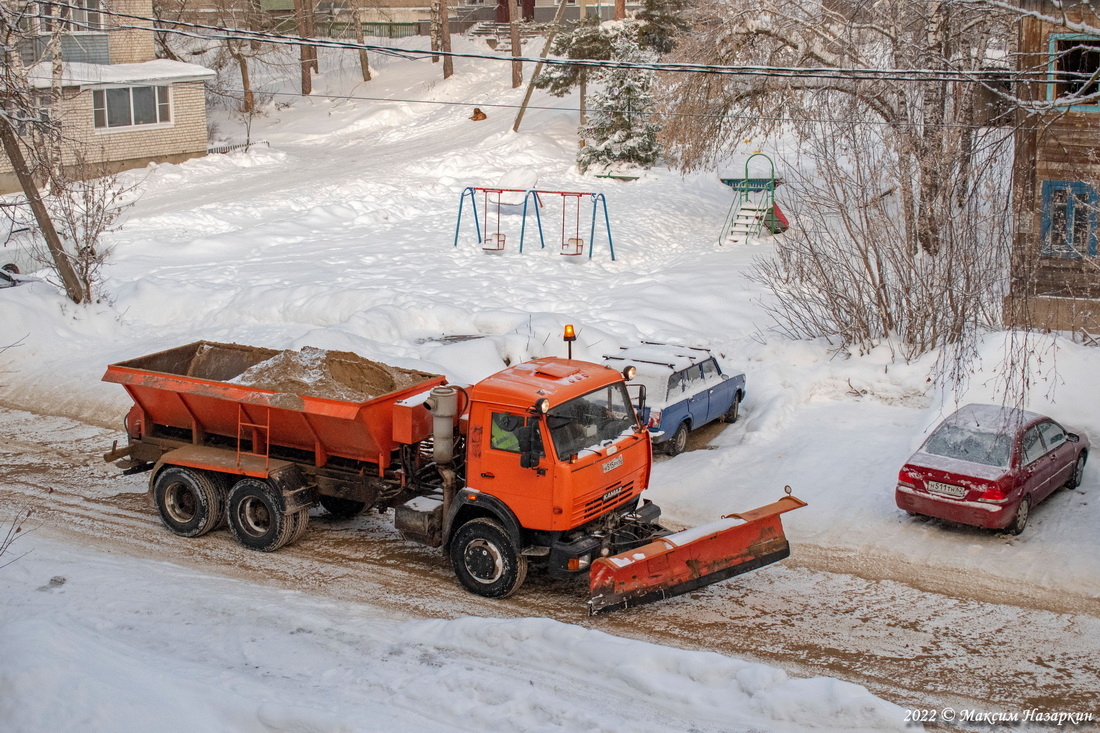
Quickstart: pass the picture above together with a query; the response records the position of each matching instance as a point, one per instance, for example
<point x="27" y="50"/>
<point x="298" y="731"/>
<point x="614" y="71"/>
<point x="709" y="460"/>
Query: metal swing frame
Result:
<point x="598" y="200"/>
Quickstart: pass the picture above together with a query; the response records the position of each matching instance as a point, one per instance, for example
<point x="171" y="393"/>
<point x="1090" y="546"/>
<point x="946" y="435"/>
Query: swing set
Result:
<point x="572" y="243"/>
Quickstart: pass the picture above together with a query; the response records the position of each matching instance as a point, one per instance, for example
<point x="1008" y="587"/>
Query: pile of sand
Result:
<point x="336" y="375"/>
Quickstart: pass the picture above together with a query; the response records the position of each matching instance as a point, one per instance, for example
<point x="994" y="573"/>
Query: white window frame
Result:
<point x="158" y="104"/>
<point x="83" y="19"/>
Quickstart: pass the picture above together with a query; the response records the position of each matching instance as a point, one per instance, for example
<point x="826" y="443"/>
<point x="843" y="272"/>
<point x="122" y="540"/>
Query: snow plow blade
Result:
<point x="685" y="561"/>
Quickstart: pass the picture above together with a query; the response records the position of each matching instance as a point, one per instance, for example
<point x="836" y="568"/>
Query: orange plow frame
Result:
<point x="682" y="562"/>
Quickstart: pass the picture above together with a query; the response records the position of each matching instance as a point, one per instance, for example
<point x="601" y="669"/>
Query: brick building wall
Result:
<point x="130" y="46"/>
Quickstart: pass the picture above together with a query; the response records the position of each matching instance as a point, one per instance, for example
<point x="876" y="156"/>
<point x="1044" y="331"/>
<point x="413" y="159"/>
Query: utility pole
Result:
<point x="538" y="67"/>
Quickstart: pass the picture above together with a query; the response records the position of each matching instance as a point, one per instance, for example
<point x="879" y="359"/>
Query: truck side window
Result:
<point x="504" y="435"/>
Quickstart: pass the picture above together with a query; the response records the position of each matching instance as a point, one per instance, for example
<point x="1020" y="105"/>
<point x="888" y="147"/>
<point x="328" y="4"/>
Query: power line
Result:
<point x="825" y="73"/>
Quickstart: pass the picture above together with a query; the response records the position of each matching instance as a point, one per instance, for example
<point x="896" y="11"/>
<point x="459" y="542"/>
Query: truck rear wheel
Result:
<point x="301" y="521"/>
<point x="257" y="516"/>
<point x="341" y="508"/>
<point x="486" y="560"/>
<point x="187" y="501"/>
<point x="221" y="482"/>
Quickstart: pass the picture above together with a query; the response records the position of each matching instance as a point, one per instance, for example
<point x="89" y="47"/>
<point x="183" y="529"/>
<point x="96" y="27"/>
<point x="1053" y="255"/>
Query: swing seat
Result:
<point x="572" y="247"/>
<point x="494" y="242"/>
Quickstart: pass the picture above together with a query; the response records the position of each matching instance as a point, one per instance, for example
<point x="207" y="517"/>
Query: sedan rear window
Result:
<point x="967" y="444"/>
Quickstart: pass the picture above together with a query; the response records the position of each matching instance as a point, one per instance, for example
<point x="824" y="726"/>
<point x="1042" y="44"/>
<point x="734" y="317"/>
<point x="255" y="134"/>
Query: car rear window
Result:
<point x="968" y="444"/>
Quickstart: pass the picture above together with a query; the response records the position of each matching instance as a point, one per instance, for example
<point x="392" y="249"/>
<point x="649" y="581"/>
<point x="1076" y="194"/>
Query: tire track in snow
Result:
<point x="915" y="647"/>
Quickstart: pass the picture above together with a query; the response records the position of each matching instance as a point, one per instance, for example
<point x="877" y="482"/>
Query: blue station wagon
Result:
<point x="685" y="387"/>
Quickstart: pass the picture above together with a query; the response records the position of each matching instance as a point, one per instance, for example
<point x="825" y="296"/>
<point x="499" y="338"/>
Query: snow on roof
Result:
<point x="646" y="356"/>
<point x="76" y="74"/>
<point x="991" y="418"/>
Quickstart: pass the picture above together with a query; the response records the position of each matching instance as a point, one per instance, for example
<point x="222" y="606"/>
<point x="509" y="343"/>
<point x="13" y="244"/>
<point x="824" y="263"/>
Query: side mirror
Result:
<point x="525" y="436"/>
<point x="639" y="403"/>
<point x="1073" y="437"/>
<point x="529" y="459"/>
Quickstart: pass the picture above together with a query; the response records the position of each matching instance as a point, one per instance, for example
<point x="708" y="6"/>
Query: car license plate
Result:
<point x="948" y="489"/>
<point x="613" y="463"/>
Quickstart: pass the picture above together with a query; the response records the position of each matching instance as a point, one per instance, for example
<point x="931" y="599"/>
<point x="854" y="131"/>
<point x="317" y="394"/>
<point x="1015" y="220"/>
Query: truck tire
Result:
<point x="222" y="482"/>
<point x="341" y="508"/>
<point x="679" y="440"/>
<point x="257" y="516"/>
<point x="186" y="500"/>
<point x="301" y="521"/>
<point x="486" y="560"/>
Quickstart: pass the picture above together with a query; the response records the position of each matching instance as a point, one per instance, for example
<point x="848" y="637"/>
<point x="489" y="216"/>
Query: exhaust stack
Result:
<point x="443" y="404"/>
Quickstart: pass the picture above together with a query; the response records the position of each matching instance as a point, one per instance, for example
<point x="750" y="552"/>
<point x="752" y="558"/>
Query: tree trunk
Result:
<point x="436" y="31"/>
<point x="304" y="58"/>
<point x="45" y="224"/>
<point x="513" y="30"/>
<point x="445" y="38"/>
<point x="310" y="32"/>
<point x="255" y="23"/>
<point x="357" y="21"/>
<point x="620" y="9"/>
<point x="248" y="102"/>
<point x="583" y="86"/>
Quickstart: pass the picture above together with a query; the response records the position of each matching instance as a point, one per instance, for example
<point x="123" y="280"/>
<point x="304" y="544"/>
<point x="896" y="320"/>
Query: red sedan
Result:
<point x="987" y="466"/>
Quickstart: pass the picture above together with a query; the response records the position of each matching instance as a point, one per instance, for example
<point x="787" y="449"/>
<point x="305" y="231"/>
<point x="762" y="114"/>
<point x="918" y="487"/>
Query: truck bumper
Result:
<point x="583" y="550"/>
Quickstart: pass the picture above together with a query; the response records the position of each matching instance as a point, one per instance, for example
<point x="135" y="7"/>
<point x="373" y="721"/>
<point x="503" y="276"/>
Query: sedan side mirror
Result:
<point x="1073" y="437"/>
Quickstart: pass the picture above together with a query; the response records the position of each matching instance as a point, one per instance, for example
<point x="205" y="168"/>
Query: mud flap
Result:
<point x="682" y="562"/>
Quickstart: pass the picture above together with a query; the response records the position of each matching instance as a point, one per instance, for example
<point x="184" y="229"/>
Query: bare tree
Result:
<point x="24" y="113"/>
<point x="902" y="227"/>
<point x="16" y="529"/>
<point x="87" y="202"/>
<point x="357" y="23"/>
<point x="516" y="43"/>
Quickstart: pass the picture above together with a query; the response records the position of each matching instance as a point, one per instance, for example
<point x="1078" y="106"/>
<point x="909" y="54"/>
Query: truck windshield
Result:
<point x="588" y="421"/>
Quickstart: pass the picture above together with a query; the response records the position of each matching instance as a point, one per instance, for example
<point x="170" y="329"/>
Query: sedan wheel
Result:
<point x="1078" y="469"/>
<point x="679" y="440"/>
<point x="735" y="410"/>
<point x="1019" y="521"/>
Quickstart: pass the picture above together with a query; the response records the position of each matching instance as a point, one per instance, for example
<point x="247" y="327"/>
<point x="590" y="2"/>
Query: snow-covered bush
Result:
<point x="621" y="129"/>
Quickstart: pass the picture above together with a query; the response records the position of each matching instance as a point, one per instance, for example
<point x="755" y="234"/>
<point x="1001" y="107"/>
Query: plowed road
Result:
<point x="921" y="649"/>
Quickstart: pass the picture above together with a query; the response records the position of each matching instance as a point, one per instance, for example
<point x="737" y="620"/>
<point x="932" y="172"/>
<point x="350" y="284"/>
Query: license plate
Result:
<point x="948" y="489"/>
<point x="613" y="463"/>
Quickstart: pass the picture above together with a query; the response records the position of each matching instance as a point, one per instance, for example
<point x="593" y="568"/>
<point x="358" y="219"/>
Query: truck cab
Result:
<point x="557" y="457"/>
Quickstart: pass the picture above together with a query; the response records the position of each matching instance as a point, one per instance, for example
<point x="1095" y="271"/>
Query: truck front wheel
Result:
<point x="187" y="500"/>
<point x="486" y="560"/>
<point x="257" y="516"/>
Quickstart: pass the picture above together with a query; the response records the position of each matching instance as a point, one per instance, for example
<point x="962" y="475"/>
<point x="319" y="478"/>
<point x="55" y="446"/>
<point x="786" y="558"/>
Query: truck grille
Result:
<point x="598" y="503"/>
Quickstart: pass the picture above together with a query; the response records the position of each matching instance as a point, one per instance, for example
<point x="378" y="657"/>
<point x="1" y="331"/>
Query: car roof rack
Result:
<point x="643" y="361"/>
<point x="678" y="346"/>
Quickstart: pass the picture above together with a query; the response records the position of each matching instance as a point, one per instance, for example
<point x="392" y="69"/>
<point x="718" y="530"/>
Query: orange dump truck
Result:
<point x="541" y="464"/>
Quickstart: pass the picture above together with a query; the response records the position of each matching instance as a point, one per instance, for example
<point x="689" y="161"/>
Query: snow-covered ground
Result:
<point x="340" y="235"/>
<point x="95" y="642"/>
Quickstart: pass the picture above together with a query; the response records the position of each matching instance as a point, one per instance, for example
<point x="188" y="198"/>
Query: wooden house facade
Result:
<point x="1055" y="277"/>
